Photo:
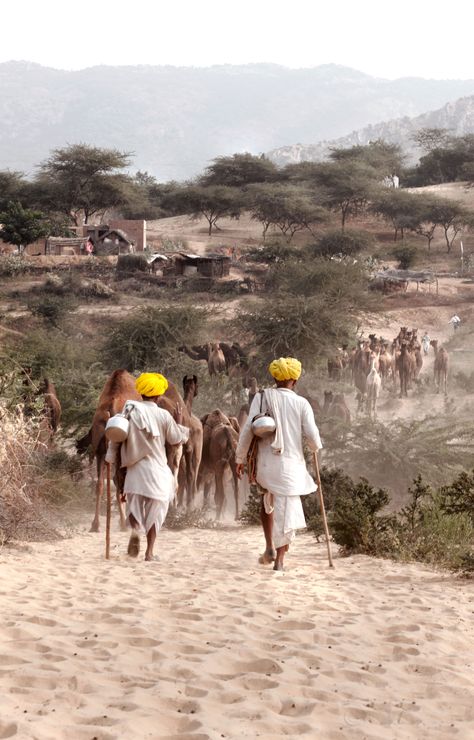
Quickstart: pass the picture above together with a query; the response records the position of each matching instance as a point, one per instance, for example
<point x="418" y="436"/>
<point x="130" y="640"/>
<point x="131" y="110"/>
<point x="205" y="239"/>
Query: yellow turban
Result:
<point x="151" y="384"/>
<point x="285" y="368"/>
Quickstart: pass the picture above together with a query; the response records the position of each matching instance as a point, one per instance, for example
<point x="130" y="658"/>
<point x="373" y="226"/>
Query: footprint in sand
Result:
<point x="9" y="729"/>
<point x="293" y="624"/>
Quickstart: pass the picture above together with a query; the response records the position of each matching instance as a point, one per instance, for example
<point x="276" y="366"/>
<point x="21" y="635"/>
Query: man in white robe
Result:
<point x="149" y="483"/>
<point x="282" y="477"/>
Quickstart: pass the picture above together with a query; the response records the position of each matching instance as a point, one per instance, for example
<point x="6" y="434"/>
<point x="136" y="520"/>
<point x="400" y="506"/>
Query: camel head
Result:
<point x="434" y="343"/>
<point x="190" y="385"/>
<point x="328" y="397"/>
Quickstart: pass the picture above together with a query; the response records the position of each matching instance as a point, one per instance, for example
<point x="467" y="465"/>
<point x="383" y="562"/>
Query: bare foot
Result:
<point x="151" y="558"/>
<point x="133" y="545"/>
<point x="267" y="557"/>
<point x="278" y="565"/>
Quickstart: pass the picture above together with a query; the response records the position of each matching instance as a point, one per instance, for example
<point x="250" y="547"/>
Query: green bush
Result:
<point x="148" y="339"/>
<point x="12" y="265"/>
<point x="343" y="284"/>
<point x="406" y="256"/>
<point x="348" y="243"/>
<point x="271" y="253"/>
<point x="127" y="263"/>
<point x="291" y="325"/>
<point x="458" y="497"/>
<point x="354" y="523"/>
<point x="53" y="309"/>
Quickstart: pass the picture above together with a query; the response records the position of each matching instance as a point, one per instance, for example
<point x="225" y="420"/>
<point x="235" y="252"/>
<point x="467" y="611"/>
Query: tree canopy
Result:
<point x="22" y="226"/>
<point x="80" y="180"/>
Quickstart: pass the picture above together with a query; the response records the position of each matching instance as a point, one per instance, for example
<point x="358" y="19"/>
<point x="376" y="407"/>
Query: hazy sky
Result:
<point x="406" y="37"/>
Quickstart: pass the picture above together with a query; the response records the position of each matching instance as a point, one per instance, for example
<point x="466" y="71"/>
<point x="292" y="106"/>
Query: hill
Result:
<point x="177" y="119"/>
<point x="458" y="116"/>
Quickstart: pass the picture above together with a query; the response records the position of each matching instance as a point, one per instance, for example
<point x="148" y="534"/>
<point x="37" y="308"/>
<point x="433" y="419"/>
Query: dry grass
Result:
<point x="30" y="484"/>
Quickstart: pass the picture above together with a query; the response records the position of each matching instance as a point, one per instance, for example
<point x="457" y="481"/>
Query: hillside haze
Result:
<point x="457" y="116"/>
<point x="176" y="119"/>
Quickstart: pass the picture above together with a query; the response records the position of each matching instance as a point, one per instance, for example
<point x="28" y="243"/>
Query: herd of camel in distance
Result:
<point x="201" y="462"/>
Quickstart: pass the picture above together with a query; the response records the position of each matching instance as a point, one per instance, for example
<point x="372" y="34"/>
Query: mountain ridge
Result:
<point x="177" y="119"/>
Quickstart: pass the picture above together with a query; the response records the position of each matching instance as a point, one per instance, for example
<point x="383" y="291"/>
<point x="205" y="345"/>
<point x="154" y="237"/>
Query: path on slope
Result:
<point x="207" y="644"/>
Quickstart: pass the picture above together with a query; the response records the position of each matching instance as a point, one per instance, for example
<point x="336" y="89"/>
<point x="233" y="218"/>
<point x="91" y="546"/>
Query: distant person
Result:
<point x="89" y="247"/>
<point x="282" y="477"/>
<point x="425" y="342"/>
<point x="455" y="321"/>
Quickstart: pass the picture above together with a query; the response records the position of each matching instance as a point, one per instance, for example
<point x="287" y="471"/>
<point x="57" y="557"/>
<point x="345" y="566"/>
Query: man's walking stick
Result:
<point x="323" y="510"/>
<point x="108" y="514"/>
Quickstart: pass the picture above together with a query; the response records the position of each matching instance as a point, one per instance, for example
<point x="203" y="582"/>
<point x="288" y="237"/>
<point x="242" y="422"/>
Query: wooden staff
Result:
<point x="108" y="514"/>
<point x="323" y="510"/>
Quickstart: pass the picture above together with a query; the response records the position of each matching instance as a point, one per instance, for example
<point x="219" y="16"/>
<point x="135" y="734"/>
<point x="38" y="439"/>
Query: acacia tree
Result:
<point x="81" y="180"/>
<point x="22" y="226"/>
<point x="400" y="208"/>
<point x="287" y="207"/>
<point x="348" y="185"/>
<point x="453" y="217"/>
<point x="213" y="202"/>
<point x="239" y="170"/>
<point x="12" y="187"/>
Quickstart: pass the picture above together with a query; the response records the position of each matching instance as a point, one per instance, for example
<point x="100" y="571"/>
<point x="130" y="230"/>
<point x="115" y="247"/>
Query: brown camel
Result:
<point x="404" y="368"/>
<point x="385" y="364"/>
<point x="441" y="365"/>
<point x="235" y="358"/>
<point x="216" y="360"/>
<point x="361" y="368"/>
<point x="119" y="388"/>
<point x="218" y="453"/>
<point x="192" y="450"/>
<point x="335" y="367"/>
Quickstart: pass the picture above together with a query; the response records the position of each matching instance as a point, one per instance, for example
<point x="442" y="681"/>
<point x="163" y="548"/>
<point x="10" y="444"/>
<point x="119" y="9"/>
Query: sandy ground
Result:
<point x="207" y="644"/>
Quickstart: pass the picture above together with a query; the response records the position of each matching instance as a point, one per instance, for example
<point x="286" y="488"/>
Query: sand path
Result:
<point x="206" y="644"/>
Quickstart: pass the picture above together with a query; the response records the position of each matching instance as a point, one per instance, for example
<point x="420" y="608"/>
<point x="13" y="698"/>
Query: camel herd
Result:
<point x="377" y="363"/>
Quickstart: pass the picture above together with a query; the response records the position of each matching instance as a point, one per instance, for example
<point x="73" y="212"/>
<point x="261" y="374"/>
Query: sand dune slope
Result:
<point x="206" y="644"/>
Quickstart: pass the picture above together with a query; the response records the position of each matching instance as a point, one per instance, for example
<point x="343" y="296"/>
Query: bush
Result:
<point x="270" y="253"/>
<point x="458" y="497"/>
<point x="29" y="483"/>
<point x="148" y="339"/>
<point x="127" y="263"/>
<point x="51" y="308"/>
<point x="354" y="523"/>
<point x="347" y="243"/>
<point x="406" y="256"/>
<point x="293" y="326"/>
<point x="343" y="284"/>
<point x="13" y="265"/>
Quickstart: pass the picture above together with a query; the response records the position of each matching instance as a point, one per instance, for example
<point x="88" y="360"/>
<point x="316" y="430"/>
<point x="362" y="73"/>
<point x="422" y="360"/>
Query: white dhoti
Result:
<point x="288" y="516"/>
<point x="147" y="511"/>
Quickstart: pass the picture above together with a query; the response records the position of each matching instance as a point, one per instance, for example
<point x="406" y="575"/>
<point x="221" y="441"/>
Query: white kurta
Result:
<point x="144" y="453"/>
<point x="283" y="474"/>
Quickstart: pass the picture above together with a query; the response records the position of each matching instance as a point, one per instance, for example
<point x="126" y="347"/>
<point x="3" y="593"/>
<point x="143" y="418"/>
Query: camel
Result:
<point x="119" y="388"/>
<point x="336" y="409"/>
<point x="385" y="364"/>
<point x="192" y="450"/>
<point x="404" y="368"/>
<point x="335" y="367"/>
<point x="441" y="365"/>
<point x="374" y="383"/>
<point x="218" y="452"/>
<point x="361" y="367"/>
<point x="235" y="359"/>
<point x="216" y="360"/>
<point x="51" y="413"/>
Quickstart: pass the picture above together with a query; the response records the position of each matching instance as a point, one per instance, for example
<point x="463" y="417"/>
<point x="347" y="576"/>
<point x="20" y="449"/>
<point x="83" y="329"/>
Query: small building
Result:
<point x="114" y="241"/>
<point x="158" y="263"/>
<point x="209" y="265"/>
<point x="63" y="246"/>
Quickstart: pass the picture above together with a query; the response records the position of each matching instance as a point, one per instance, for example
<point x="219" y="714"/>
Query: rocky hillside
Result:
<point x="176" y="119"/>
<point x="457" y="116"/>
